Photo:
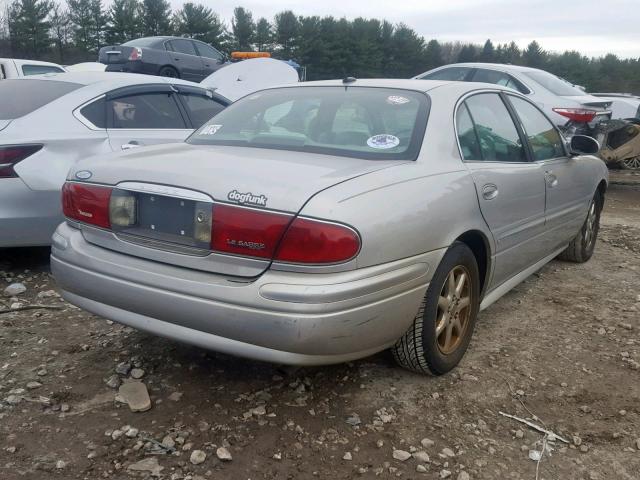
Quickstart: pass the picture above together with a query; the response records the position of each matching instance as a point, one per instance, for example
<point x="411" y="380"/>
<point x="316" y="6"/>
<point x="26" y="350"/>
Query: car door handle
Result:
<point x="552" y="180"/>
<point x="130" y="145"/>
<point x="489" y="191"/>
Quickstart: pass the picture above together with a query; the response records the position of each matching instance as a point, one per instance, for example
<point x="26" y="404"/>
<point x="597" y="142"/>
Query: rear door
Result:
<point x="145" y="115"/>
<point x="568" y="186"/>
<point x="510" y="188"/>
<point x="185" y="58"/>
<point x="212" y="59"/>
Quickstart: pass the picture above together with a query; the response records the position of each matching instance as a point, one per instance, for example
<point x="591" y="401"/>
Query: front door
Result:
<point x="510" y="188"/>
<point x="146" y="117"/>
<point x="568" y="187"/>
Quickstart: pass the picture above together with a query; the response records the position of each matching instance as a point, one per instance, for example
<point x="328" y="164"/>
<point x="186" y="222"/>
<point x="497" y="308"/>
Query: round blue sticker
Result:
<point x="383" y="141"/>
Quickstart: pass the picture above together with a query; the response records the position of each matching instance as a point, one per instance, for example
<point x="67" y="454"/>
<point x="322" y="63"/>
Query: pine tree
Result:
<point x="433" y="55"/>
<point x="156" y="18"/>
<point x="488" y="52"/>
<point x="534" y="56"/>
<point x="468" y="53"/>
<point x="29" y="27"/>
<point x="512" y="54"/>
<point x="286" y="32"/>
<point x="264" y="35"/>
<point x="83" y="28"/>
<point x="199" y="22"/>
<point x="243" y="28"/>
<point x="124" y="21"/>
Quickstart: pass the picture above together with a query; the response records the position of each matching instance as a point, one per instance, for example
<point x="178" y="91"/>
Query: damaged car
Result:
<point x="328" y="221"/>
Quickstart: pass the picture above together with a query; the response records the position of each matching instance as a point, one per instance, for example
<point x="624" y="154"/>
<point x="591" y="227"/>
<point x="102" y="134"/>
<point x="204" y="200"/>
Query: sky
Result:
<point x="592" y="27"/>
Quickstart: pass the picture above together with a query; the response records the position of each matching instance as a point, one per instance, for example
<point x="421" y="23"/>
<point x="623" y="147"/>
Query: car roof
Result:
<point x="114" y="79"/>
<point x="497" y="66"/>
<point x="405" y="84"/>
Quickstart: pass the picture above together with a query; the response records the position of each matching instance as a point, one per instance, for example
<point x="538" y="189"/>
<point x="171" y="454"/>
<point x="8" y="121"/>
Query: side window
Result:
<point x="497" y="134"/>
<point x="467" y="135"/>
<point x="457" y="74"/>
<point x="96" y="113"/>
<point x="183" y="46"/>
<point x="208" y="51"/>
<point x="201" y="108"/>
<point x="147" y="110"/>
<point x="544" y="139"/>
<point x="39" y="70"/>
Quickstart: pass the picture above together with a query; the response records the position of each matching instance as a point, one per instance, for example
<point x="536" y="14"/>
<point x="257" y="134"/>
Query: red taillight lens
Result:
<point x="580" y="115"/>
<point x="11" y="155"/>
<point x="243" y="231"/>
<point x="87" y="203"/>
<point x="315" y="241"/>
<point x="136" y="54"/>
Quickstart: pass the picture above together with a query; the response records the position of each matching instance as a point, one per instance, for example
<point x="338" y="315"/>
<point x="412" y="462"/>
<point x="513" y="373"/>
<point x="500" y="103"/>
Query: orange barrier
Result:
<point x="245" y="55"/>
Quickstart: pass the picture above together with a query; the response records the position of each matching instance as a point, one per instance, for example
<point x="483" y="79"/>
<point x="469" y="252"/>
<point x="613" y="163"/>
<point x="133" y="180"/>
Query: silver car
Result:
<point x="559" y="99"/>
<point x="51" y="122"/>
<point x="325" y="222"/>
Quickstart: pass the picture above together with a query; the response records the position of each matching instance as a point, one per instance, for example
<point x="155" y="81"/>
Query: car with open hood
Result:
<point x="327" y="221"/>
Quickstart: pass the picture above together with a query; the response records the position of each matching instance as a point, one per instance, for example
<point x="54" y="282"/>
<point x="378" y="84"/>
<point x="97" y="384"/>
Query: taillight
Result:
<point x="136" y="54"/>
<point x="278" y="236"/>
<point x="11" y="155"/>
<point x="580" y="115"/>
<point x="87" y="203"/>
<point x="317" y="241"/>
<point x="244" y="231"/>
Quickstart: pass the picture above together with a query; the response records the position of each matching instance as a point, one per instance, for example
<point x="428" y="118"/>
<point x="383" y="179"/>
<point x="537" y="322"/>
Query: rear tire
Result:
<point x="169" y="72"/>
<point x="583" y="244"/>
<point x="443" y="326"/>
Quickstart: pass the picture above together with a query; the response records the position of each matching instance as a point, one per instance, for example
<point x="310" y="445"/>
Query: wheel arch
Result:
<point x="478" y="243"/>
<point x="602" y="189"/>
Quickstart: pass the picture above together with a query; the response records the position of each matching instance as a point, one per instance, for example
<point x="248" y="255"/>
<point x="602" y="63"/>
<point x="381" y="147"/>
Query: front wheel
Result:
<point x="583" y="244"/>
<point x="443" y="326"/>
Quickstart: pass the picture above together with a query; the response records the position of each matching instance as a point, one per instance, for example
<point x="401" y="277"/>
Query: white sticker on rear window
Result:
<point x="397" y="100"/>
<point x="210" y="129"/>
<point x="383" y="141"/>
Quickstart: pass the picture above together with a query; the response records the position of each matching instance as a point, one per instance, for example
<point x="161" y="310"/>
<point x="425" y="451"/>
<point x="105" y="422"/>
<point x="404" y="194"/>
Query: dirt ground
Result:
<point x="561" y="350"/>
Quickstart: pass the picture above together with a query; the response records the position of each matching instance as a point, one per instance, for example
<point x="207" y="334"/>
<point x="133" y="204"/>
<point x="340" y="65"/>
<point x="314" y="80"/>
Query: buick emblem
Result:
<point x="200" y="218"/>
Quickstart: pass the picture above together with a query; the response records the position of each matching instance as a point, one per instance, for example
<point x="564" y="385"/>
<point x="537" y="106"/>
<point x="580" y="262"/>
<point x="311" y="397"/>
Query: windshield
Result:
<point x="554" y="84"/>
<point x="360" y="122"/>
<point x="29" y="95"/>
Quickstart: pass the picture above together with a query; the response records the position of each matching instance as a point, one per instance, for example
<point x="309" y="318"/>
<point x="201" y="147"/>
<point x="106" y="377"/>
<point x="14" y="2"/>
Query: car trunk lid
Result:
<point x="114" y="54"/>
<point x="175" y="183"/>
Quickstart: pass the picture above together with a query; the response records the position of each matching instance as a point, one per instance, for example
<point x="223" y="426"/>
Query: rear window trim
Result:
<point x="422" y="120"/>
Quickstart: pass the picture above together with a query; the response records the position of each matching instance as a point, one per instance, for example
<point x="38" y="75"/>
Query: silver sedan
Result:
<point x="321" y="223"/>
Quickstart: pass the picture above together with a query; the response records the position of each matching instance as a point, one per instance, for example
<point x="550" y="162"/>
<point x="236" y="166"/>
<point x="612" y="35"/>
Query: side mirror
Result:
<point x="583" y="145"/>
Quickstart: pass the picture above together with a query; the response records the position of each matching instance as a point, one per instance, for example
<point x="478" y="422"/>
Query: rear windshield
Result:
<point x="360" y="122"/>
<point x="554" y="84"/>
<point x="29" y="95"/>
<point x="142" y="42"/>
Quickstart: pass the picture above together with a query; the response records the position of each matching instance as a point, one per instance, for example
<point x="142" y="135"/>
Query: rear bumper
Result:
<point x="27" y="217"/>
<point x="281" y="317"/>
<point x="130" y="67"/>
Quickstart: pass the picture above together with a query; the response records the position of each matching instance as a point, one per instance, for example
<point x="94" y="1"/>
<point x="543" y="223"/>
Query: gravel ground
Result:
<point x="562" y="350"/>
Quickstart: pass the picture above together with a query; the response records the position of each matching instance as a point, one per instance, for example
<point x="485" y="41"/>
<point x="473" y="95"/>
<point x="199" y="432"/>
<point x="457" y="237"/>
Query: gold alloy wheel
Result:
<point x="454" y="309"/>
<point x="589" y="234"/>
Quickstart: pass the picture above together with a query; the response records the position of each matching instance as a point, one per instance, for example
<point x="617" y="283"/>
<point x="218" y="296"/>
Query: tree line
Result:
<point x="329" y="47"/>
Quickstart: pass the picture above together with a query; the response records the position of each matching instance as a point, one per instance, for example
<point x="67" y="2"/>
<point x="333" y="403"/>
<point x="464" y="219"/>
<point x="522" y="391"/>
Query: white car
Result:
<point x="54" y="121"/>
<point x="565" y="104"/>
<point x="623" y="105"/>
<point x="13" y="68"/>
